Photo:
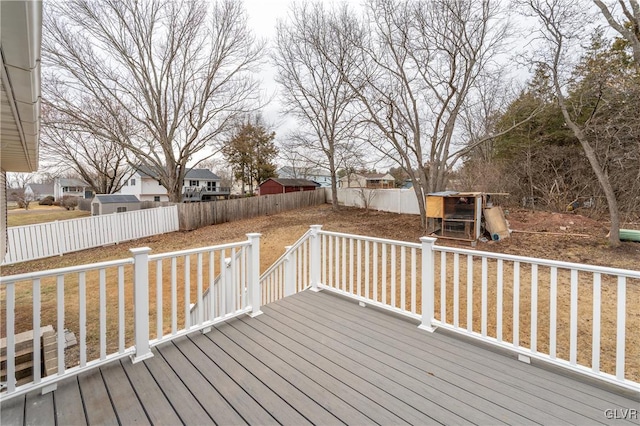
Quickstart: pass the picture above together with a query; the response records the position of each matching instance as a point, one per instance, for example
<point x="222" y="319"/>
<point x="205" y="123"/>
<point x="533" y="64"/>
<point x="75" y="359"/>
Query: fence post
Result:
<point x="141" y="303"/>
<point x="314" y="257"/>
<point x="60" y="238"/>
<point x="428" y="286"/>
<point x="289" y="277"/>
<point x="253" y="283"/>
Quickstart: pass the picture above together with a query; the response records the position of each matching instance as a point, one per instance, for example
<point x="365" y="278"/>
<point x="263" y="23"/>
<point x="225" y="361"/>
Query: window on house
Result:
<point x="156" y="198"/>
<point x="211" y="186"/>
<point x="121" y="209"/>
<point x="194" y="183"/>
<point x="126" y="183"/>
<point x="133" y="182"/>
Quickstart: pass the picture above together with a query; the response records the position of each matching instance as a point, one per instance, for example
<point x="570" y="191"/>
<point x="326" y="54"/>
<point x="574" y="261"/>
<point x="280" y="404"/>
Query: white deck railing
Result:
<point x="109" y="306"/>
<point x="584" y="318"/>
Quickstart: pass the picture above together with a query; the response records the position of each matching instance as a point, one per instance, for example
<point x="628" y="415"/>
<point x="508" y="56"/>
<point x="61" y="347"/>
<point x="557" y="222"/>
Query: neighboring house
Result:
<point x="38" y="191"/>
<point x="281" y="186"/>
<point x="114" y="203"/>
<point x="71" y="188"/>
<point x="203" y="185"/>
<point x="21" y="35"/>
<point x="367" y="180"/>
<point x="320" y="176"/>
<point x="198" y="185"/>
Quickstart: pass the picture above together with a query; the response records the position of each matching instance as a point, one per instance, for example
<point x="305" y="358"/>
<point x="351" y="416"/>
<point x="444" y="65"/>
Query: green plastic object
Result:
<point x="630" y="235"/>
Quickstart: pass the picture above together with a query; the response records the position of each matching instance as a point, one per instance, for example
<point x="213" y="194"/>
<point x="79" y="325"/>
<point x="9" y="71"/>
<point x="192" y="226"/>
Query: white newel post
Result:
<point x="428" y="279"/>
<point x="314" y="257"/>
<point x="254" y="274"/>
<point x="289" y="278"/>
<point x="141" y="303"/>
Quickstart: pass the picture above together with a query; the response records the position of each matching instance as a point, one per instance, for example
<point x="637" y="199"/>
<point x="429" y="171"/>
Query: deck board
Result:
<point x="246" y="337"/>
<point x="125" y="401"/>
<point x="39" y="410"/>
<point x="586" y="400"/>
<point x="333" y="383"/>
<point x="496" y="390"/>
<point x="96" y="399"/>
<point x="243" y="403"/>
<point x="154" y="402"/>
<point x="69" y="408"/>
<point x="372" y="385"/>
<point x="418" y="375"/>
<point x="318" y="358"/>
<point x="215" y="405"/>
<point x="269" y="400"/>
<point x="300" y="401"/>
<point x="186" y="406"/>
<point x="12" y="411"/>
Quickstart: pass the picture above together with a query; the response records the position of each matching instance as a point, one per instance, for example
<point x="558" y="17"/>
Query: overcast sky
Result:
<point x="263" y="16"/>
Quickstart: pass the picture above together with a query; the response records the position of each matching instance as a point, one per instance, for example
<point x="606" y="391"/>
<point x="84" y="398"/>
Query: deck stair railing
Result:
<point x="291" y="273"/>
<point x="123" y="307"/>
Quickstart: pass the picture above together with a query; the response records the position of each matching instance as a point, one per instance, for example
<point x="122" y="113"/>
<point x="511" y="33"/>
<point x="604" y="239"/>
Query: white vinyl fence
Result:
<point x="41" y="240"/>
<point x="388" y="200"/>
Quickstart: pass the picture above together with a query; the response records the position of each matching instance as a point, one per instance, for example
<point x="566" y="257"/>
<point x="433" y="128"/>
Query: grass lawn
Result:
<point x="41" y="214"/>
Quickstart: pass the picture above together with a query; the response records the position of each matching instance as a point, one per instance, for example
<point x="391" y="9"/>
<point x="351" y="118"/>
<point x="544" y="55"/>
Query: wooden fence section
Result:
<point x="197" y="215"/>
<point x="37" y="241"/>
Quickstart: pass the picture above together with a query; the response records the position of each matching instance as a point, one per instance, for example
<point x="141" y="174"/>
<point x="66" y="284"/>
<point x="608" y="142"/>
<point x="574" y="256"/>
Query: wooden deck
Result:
<point x="317" y="358"/>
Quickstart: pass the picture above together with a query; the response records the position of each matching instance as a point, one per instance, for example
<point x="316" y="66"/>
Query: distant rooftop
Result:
<point x="117" y="198"/>
<point x="295" y="182"/>
<point x="204" y="174"/>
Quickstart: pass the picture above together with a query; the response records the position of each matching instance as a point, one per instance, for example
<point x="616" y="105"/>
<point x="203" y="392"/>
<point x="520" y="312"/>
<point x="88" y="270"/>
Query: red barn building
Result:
<point x="281" y="186"/>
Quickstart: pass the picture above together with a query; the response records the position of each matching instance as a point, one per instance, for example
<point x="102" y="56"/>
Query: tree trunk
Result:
<point x="603" y="179"/>
<point x="334" y="185"/>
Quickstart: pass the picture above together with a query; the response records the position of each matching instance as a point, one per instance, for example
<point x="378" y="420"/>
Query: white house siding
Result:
<point x="3" y="214"/>
<point x="146" y="189"/>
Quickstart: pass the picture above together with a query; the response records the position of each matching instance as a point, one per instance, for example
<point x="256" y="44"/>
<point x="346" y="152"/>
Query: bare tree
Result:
<point x="562" y="26"/>
<point x="417" y="66"/>
<point x="314" y="90"/>
<point x="176" y="72"/>
<point x="628" y="25"/>
<point x="99" y="161"/>
<point x="16" y="191"/>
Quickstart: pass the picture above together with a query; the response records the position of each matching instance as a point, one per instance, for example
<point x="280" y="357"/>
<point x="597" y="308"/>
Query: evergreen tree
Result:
<point x="250" y="152"/>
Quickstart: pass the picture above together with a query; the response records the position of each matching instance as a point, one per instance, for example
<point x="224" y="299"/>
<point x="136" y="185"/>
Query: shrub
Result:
<point x="69" y="202"/>
<point x="47" y="201"/>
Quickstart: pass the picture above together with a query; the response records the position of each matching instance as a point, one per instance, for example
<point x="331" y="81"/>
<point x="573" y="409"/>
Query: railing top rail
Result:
<point x="62" y="271"/>
<point x="198" y="250"/>
<point x="372" y="239"/>
<point x="542" y="262"/>
<point x="295" y="246"/>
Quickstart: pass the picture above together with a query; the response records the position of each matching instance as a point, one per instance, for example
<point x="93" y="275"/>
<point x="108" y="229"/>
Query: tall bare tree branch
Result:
<point x="170" y="75"/>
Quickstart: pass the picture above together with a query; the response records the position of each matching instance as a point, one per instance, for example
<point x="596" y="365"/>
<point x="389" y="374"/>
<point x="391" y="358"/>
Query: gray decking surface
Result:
<point x="316" y="358"/>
